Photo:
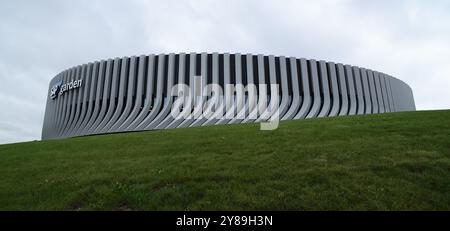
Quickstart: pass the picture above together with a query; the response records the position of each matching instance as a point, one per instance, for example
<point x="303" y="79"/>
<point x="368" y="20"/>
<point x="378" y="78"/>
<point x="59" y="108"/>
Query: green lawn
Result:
<point x="396" y="161"/>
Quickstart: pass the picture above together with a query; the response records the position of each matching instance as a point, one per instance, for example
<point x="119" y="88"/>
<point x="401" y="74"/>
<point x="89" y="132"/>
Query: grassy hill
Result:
<point x="396" y="161"/>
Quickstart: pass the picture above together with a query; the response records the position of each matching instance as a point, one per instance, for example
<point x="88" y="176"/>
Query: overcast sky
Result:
<point x="39" y="39"/>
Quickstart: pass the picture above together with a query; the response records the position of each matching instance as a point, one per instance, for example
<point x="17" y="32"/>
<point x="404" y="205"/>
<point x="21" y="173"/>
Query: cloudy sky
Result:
<point x="38" y="39"/>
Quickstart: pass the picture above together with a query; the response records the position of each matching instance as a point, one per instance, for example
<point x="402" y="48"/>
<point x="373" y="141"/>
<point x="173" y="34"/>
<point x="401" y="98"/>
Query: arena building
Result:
<point x="185" y="90"/>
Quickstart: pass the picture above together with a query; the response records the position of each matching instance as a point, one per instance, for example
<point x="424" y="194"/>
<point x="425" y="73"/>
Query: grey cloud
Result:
<point x="407" y="39"/>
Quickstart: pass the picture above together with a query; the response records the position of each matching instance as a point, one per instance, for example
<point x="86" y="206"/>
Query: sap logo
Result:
<point x="59" y="88"/>
<point x="55" y="90"/>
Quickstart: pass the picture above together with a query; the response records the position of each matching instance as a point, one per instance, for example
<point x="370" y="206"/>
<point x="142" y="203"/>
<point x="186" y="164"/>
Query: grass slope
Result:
<point x="397" y="161"/>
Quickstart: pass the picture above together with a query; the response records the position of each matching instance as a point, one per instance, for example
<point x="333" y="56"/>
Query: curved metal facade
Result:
<point x="135" y="93"/>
